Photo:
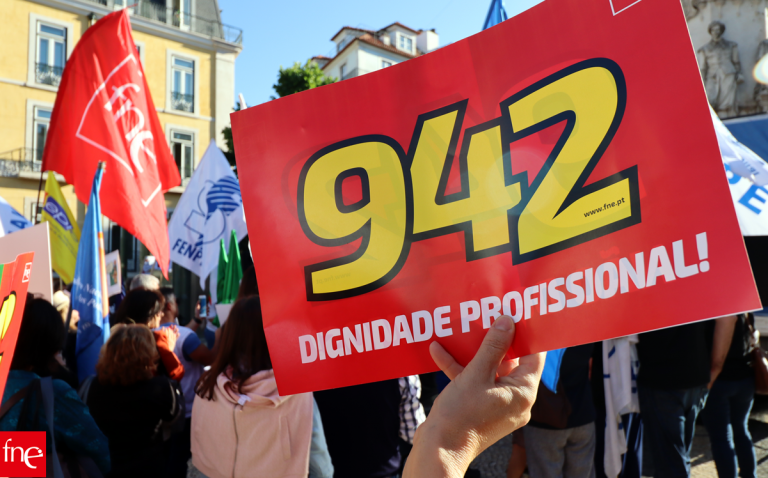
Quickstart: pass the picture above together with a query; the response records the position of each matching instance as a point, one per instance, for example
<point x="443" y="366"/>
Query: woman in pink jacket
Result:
<point x="241" y="426"/>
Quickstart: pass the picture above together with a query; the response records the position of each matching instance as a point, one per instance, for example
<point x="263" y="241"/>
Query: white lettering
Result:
<point x="402" y="331"/>
<point x="383" y="326"/>
<point x="440" y="321"/>
<point x="304" y="342"/>
<point x="637" y="274"/>
<point x="604" y="292"/>
<point x="659" y="265"/>
<point x="491" y="309"/>
<point x="529" y="300"/>
<point x="418" y="335"/>
<point x="338" y="349"/>
<point x="557" y="295"/>
<point x="470" y="311"/>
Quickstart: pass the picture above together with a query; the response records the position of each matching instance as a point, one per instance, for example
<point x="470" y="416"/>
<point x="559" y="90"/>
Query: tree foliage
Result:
<point x="300" y="78"/>
<point x="289" y="81"/>
<point x="227" y="132"/>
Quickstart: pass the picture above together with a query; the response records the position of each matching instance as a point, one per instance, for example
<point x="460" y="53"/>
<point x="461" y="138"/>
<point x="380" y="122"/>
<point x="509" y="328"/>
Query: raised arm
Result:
<point x="476" y="409"/>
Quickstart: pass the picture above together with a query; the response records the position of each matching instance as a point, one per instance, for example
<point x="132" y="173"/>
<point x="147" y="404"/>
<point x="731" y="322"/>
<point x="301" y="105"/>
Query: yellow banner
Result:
<point x="65" y="234"/>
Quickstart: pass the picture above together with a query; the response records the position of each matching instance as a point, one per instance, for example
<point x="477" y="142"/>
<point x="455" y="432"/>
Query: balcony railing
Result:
<point x="181" y="102"/>
<point x="48" y="74"/>
<point x="162" y="14"/>
<point x="20" y="160"/>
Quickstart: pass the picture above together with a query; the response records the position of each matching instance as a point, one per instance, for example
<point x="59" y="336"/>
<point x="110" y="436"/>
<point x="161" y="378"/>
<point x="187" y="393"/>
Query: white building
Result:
<point x="360" y="51"/>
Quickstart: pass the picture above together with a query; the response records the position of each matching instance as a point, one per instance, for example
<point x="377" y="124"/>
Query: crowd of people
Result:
<point x="171" y="400"/>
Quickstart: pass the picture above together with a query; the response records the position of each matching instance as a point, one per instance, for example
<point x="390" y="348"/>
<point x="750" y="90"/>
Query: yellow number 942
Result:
<point x="404" y="197"/>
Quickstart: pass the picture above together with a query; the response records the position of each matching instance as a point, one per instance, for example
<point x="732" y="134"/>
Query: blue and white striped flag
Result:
<point x="209" y="209"/>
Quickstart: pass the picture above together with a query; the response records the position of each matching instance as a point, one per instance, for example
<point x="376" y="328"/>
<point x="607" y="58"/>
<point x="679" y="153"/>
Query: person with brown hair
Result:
<point x="241" y="426"/>
<point x="147" y="307"/>
<point x="131" y="405"/>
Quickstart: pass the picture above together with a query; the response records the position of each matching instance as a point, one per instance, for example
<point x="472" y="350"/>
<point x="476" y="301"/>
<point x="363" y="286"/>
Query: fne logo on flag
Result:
<point x="118" y="101"/>
<point x="23" y="454"/>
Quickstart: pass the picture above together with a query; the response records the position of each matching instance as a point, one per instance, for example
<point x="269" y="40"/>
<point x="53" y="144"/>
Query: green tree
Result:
<point x="227" y="132"/>
<point x="300" y="78"/>
<point x="289" y="81"/>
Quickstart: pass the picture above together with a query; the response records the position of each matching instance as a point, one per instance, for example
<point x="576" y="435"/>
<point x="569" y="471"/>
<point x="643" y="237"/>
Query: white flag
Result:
<point x="10" y="219"/>
<point x="747" y="175"/>
<point x="210" y="208"/>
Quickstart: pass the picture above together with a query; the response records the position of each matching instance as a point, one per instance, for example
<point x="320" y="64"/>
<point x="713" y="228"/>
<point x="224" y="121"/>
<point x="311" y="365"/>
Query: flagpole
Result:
<point x="39" y="189"/>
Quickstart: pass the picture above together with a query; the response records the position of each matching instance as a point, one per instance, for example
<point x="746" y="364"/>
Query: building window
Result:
<point x="51" y="53"/>
<point x="406" y="43"/>
<point x="183" y="87"/>
<point x="385" y="63"/>
<point x="40" y="122"/>
<point x="183" y="148"/>
<point x="183" y="8"/>
<point x="34" y="210"/>
<point x="343" y="71"/>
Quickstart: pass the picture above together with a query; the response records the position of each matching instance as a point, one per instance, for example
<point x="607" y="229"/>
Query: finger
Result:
<point x="491" y="352"/>
<point x="444" y="360"/>
<point x="506" y="367"/>
<point x="530" y="365"/>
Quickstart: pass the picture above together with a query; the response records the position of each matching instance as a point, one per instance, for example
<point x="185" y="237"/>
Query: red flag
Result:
<point x="104" y="112"/>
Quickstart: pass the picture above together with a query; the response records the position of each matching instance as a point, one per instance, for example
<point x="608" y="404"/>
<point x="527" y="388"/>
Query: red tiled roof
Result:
<point x="320" y="57"/>
<point x="401" y="26"/>
<point x="353" y="28"/>
<point x="371" y="40"/>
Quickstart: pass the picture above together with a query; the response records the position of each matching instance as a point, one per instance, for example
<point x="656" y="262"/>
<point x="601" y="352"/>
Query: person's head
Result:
<point x="171" y="309"/>
<point x="129" y="356"/>
<point x="716" y="30"/>
<point x="41" y="337"/>
<point x="248" y="284"/>
<point x="145" y="281"/>
<point x="243" y="347"/>
<point x="141" y="306"/>
<point x="61" y="302"/>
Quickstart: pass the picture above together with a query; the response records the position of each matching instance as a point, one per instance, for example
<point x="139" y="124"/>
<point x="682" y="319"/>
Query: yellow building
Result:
<point x="188" y="57"/>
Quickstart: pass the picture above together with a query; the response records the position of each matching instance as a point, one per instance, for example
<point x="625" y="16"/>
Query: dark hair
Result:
<point x="248" y="284"/>
<point x="169" y="295"/>
<point x="716" y="23"/>
<point x="41" y="337"/>
<point x="139" y="307"/>
<point x="243" y="348"/>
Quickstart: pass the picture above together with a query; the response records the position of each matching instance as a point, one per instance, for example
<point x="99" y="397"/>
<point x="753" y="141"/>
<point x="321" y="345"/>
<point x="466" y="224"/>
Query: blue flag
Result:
<point x="89" y="289"/>
<point x="496" y="14"/>
<point x="551" y="373"/>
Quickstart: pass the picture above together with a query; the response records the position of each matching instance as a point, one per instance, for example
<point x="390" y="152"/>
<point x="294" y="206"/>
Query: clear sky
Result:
<point x="279" y="33"/>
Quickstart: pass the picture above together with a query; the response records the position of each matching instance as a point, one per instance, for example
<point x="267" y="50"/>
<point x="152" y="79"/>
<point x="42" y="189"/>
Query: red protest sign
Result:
<point x="14" y="281"/>
<point x="560" y="167"/>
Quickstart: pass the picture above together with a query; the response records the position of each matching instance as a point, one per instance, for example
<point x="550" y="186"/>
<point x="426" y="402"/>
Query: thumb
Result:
<point x="491" y="352"/>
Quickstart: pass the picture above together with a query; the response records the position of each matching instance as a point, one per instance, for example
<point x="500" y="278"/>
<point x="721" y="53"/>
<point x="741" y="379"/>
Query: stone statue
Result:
<point x="761" y="90"/>
<point x="721" y="70"/>
<point x="693" y="7"/>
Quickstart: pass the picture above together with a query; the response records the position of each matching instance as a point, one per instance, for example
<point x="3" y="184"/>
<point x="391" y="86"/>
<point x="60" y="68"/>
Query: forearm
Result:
<point x="434" y="457"/>
<point x="721" y="343"/>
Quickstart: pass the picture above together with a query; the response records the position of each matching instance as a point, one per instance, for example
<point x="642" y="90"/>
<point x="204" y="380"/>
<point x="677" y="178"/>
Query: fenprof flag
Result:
<point x="532" y="169"/>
